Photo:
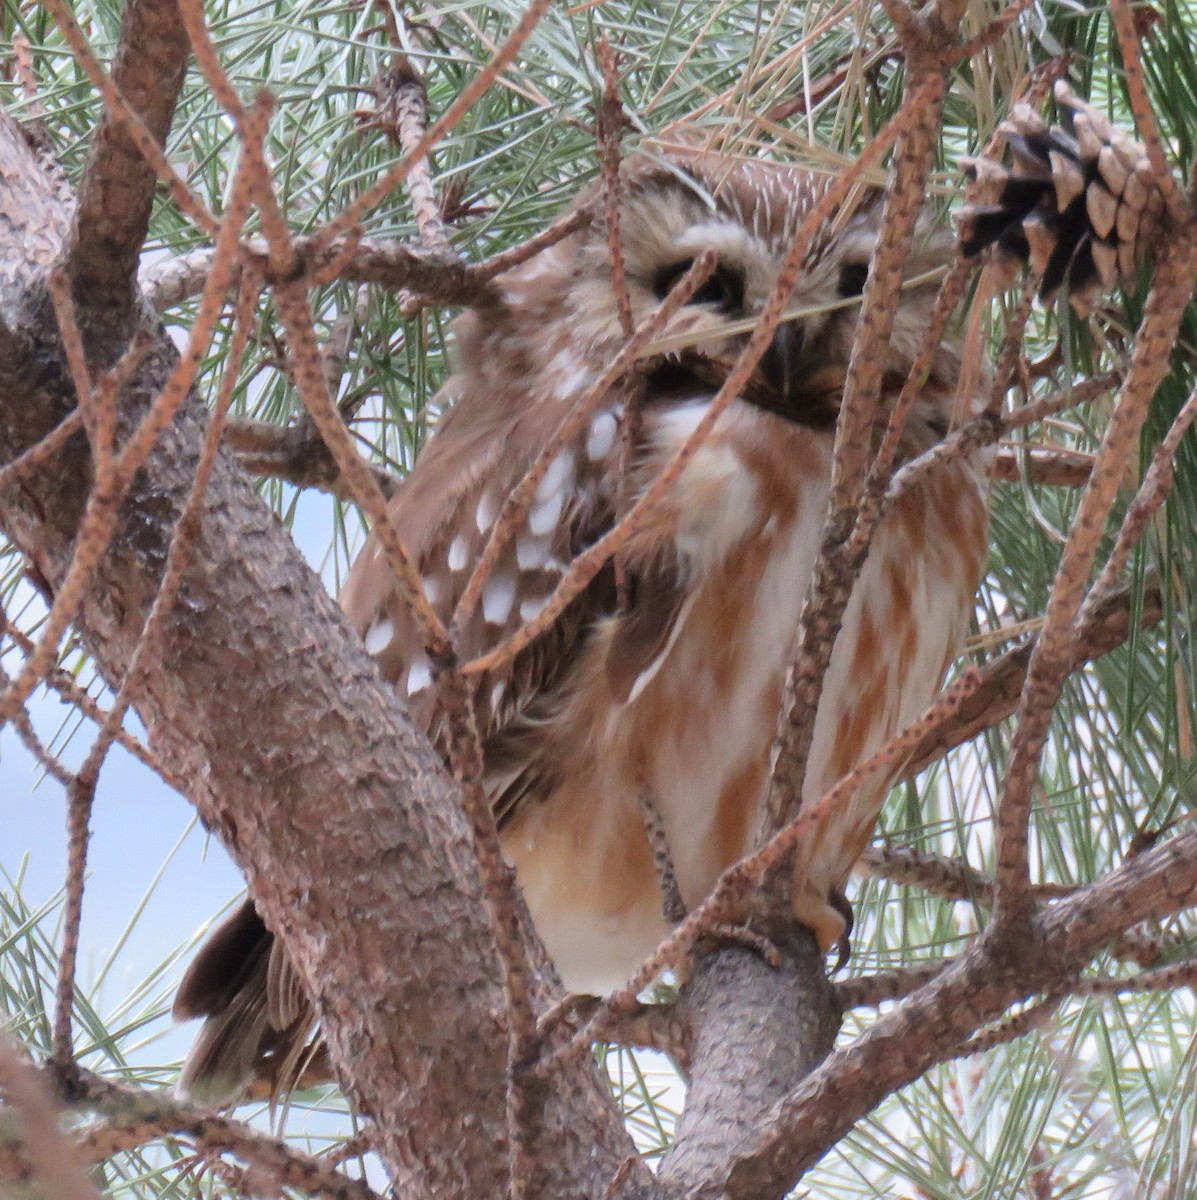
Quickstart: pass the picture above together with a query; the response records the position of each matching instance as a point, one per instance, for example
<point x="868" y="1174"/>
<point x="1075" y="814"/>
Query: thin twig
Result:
<point x="839" y="563"/>
<point x="871" y="991"/>
<point x="610" y="125"/>
<point x="473" y="91"/>
<point x="1153" y="491"/>
<point x="133" y="1116"/>
<point x="673" y="905"/>
<point x="1050" y="660"/>
<point x="1032" y="1018"/>
<point x="1145" y="119"/>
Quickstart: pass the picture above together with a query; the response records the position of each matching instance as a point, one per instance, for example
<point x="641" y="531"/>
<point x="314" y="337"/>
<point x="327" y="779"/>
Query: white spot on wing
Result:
<point x="487" y="511"/>
<point x="532" y="552"/>
<point x="498" y="595"/>
<point x="496" y="695"/>
<point x="601" y="438"/>
<point x="419" y="676"/>
<point x="380" y="636"/>
<point x="544" y="516"/>
<point x="575" y="381"/>
<point x="531" y="608"/>
<point x="559" y="473"/>
<point x="458" y="552"/>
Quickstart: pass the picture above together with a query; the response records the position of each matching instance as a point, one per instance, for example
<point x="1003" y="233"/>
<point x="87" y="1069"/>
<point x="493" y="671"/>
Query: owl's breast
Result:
<point x="693" y="731"/>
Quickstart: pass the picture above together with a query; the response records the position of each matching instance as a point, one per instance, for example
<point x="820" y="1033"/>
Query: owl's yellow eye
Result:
<point x="725" y="287"/>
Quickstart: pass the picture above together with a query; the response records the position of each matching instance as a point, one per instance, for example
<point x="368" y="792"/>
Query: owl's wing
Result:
<point x="444" y="513"/>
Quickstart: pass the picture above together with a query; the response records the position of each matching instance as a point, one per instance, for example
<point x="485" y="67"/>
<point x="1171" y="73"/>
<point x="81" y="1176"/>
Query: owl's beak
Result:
<point x="781" y="364"/>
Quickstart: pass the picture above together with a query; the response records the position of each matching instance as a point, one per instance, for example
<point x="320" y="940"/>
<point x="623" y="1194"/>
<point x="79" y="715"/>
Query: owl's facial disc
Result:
<point x="797" y="376"/>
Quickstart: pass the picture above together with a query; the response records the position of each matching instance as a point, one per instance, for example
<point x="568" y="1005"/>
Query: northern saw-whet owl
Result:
<point x="670" y="686"/>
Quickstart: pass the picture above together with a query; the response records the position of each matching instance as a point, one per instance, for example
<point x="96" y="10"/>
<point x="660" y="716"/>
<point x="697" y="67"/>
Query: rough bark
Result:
<point x="118" y="186"/>
<point x="297" y="755"/>
<point x="757" y="1029"/>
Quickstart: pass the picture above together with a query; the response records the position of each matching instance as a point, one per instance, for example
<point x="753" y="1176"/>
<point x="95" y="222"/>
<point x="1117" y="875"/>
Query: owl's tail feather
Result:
<point x="257" y="1019"/>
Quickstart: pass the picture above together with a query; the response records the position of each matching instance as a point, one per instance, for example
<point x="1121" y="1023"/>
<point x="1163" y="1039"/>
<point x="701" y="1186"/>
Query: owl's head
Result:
<point x="560" y="313"/>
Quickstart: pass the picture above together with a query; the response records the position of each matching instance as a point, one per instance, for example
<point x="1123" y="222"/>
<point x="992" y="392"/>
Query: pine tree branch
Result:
<point x="118" y="185"/>
<point x="274" y="754"/>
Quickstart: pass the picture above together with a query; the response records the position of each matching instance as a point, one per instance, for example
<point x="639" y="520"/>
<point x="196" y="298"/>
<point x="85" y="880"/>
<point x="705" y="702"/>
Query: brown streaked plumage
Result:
<point x="678" y="692"/>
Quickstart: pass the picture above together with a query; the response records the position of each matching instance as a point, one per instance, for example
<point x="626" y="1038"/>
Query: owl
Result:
<point x="665" y="683"/>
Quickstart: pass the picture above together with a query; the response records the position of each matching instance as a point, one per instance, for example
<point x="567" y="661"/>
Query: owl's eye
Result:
<point x="725" y="287"/>
<point x="852" y="278"/>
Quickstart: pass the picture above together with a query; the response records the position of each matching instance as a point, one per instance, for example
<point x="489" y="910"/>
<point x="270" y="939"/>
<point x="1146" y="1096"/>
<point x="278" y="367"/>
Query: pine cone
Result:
<point x="1080" y="202"/>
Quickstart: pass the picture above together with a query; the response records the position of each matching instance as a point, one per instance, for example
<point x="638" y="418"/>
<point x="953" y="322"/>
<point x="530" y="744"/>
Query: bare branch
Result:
<point x="293" y="454"/>
<point x="131" y="1117"/>
<point x="470" y="94"/>
<point x="1050" y="661"/>
<point x="127" y="151"/>
<point x="118" y="186"/>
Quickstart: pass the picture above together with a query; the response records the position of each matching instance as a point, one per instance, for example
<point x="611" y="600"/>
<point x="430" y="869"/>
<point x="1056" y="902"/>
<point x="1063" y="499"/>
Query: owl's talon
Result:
<point x="741" y="935"/>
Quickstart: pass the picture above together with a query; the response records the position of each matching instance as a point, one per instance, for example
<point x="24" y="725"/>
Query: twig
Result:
<point x="403" y="99"/>
<point x="49" y="763"/>
<point x="40" y="452"/>
<point x="988" y="428"/>
<point x="132" y="1117"/>
<point x="610" y="124"/>
<point x="994" y="30"/>
<point x="671" y="894"/>
<point x="1033" y="1017"/>
<point x="1163" y="979"/>
<point x="393" y="265"/>
<point x="291" y="453"/>
<point x="871" y="991"/>
<point x="1050" y="661"/>
<point x="208" y="61"/>
<point x="1153" y="491"/>
<point x="1039" y="464"/>
<point x="476" y="88"/>
<point x="948" y="878"/>
<point x="838" y="563"/>
<point x="507" y="260"/>
<point x="71" y="693"/>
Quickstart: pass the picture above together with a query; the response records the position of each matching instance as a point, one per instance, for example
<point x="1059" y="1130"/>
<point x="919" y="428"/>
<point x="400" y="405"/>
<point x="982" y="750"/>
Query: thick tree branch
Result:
<point x="937" y="1020"/>
<point x="301" y="760"/>
<point x="117" y="192"/>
